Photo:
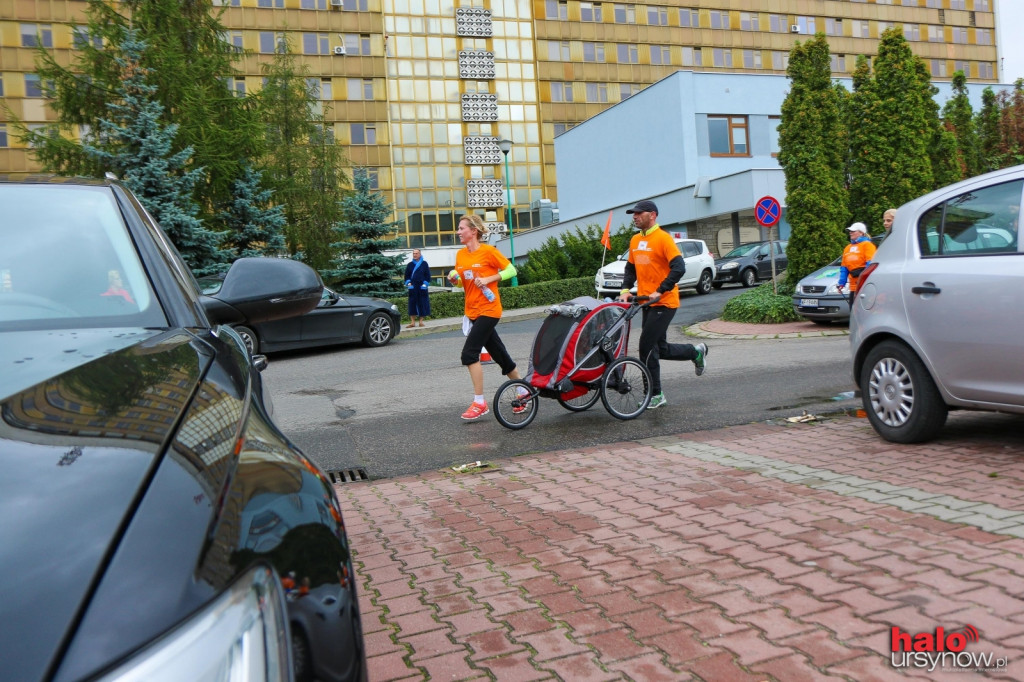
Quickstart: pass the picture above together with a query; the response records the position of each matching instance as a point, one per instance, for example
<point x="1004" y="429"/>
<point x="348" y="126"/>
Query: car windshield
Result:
<point x="741" y="250"/>
<point x="68" y="261"/>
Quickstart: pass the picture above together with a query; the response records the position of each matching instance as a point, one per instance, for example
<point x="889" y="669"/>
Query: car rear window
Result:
<point x="982" y="221"/>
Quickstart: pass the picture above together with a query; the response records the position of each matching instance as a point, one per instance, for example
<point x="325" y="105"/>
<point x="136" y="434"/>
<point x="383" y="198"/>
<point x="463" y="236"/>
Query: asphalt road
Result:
<point x="396" y="410"/>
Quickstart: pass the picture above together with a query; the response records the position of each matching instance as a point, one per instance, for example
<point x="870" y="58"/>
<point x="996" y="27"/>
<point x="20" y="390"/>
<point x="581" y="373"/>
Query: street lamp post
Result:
<point x="506" y="146"/>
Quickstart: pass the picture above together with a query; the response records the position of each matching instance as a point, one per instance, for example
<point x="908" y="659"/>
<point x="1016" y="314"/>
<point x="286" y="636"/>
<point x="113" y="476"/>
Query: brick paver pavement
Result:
<point x="772" y="551"/>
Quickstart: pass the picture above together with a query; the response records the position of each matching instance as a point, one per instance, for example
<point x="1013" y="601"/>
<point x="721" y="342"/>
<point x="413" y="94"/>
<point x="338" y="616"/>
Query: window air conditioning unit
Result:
<point x="795" y="28"/>
<point x="336" y="3"/>
<point x="340" y="49"/>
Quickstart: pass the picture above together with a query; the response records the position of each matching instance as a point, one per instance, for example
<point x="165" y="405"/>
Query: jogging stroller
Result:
<point x="578" y="356"/>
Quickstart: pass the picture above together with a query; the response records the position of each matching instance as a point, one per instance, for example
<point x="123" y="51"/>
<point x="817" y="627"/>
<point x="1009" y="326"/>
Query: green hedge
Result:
<point x="762" y="305"/>
<point x="451" y="304"/>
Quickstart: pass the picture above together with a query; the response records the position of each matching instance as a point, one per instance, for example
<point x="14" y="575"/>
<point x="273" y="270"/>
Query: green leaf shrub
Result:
<point x="762" y="305"/>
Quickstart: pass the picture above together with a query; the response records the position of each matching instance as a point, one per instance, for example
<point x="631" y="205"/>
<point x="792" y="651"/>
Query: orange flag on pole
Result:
<point x="606" y="238"/>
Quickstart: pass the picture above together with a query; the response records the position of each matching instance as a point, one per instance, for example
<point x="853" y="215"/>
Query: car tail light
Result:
<point x="868" y="269"/>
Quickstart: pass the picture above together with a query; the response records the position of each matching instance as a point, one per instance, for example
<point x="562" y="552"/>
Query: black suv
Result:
<point x="749" y="263"/>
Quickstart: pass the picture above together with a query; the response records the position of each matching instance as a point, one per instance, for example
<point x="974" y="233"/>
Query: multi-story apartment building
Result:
<point x="420" y="91"/>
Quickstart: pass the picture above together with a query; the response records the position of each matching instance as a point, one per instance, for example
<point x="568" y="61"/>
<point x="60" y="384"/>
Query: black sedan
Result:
<point x="337" y="319"/>
<point x="156" y="523"/>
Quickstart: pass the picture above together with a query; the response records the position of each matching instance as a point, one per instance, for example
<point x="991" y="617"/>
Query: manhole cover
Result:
<point x="348" y="475"/>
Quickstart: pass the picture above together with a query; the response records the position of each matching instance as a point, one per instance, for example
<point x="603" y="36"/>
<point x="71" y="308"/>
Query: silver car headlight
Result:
<point x="731" y="265"/>
<point x="833" y="289"/>
<point x="394" y="307"/>
<point x="242" y="635"/>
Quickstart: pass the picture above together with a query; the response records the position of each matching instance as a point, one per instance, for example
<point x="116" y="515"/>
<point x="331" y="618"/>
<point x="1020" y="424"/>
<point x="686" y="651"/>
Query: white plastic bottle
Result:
<point x="486" y="289"/>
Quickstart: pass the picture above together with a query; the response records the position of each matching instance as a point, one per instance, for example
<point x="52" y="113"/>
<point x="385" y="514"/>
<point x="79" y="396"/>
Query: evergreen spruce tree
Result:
<point x="811" y="140"/>
<point x="135" y="145"/>
<point x="188" y="62"/>
<point x="869" y="153"/>
<point x="362" y="267"/>
<point x="1011" y="125"/>
<point x="987" y="125"/>
<point x="958" y="117"/>
<point x="302" y="164"/>
<point x="255" y="228"/>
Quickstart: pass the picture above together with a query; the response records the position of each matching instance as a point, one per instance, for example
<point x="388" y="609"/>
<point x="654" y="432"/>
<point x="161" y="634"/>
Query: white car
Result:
<point x="700" y="270"/>
<point x="938" y="321"/>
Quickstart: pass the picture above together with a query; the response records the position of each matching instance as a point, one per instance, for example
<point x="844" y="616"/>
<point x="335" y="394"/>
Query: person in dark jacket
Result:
<point x="417" y="281"/>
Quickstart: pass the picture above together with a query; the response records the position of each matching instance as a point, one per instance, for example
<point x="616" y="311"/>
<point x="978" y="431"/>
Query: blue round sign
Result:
<point x="767" y="211"/>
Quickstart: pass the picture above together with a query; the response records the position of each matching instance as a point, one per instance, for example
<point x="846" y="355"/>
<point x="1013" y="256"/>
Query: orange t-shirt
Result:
<point x="857" y="255"/>
<point x="651" y="254"/>
<point x="483" y="262"/>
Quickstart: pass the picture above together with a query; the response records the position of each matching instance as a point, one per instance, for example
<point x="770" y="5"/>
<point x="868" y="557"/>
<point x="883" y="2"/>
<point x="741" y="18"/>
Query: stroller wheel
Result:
<point x="515" y="404"/>
<point x="581" y="402"/>
<point x="626" y="388"/>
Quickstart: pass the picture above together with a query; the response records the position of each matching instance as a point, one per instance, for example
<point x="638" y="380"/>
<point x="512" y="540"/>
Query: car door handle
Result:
<point x="928" y="288"/>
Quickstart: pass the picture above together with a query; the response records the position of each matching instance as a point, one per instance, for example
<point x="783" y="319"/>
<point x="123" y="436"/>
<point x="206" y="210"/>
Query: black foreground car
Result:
<point x="156" y="523"/>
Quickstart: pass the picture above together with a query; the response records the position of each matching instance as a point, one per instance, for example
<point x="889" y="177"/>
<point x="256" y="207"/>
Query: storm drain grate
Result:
<point x="348" y="475"/>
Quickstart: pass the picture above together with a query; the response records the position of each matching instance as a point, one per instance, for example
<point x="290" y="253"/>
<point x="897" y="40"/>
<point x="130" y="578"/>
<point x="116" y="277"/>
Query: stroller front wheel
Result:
<point x="515" y="404"/>
<point x="581" y="402"/>
<point x="626" y="388"/>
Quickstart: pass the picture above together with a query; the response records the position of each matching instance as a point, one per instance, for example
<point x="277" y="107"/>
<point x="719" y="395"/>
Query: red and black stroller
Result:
<point x="578" y="356"/>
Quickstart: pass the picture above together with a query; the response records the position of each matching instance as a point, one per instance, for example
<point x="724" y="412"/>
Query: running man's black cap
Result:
<point x="643" y="206"/>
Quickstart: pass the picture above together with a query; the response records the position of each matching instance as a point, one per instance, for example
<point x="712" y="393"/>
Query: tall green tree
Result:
<point x="135" y="144"/>
<point x="987" y="125"/>
<point x="364" y="235"/>
<point x="301" y="163"/>
<point x="958" y="117"/>
<point x="255" y="227"/>
<point x="189" y="64"/>
<point x="811" y="144"/>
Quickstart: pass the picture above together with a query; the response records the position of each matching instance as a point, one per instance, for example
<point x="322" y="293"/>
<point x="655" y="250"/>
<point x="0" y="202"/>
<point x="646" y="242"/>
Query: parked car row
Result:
<point x="748" y="264"/>
<point x="158" y="525"/>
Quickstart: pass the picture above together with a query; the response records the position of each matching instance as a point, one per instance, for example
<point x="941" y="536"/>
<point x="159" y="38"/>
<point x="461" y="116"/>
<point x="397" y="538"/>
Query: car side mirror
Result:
<point x="263" y="289"/>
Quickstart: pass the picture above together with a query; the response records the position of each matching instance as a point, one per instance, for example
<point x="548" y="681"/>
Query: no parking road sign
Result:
<point x="767" y="211"/>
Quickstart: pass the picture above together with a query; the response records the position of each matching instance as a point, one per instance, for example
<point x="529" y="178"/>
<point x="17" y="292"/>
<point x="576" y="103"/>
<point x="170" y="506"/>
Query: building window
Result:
<point x="689" y="18"/>
<point x="597" y="92"/>
<point x="557" y="10"/>
<point x="911" y="32"/>
<point x="958" y="4"/>
<point x="316" y="43"/>
<point x="661" y="54"/>
<point x="859" y="29"/>
<point x="625" y="14"/>
<point x="727" y="135"/>
<point x="833" y="27"/>
<point x="692" y="56"/>
<point x="806" y="25"/>
<point x="773" y="134"/>
<point x="357" y="43"/>
<point x="838" y="63"/>
<point x="590" y="11"/>
<point x="271" y="42"/>
<point x="36" y="35"/>
<point x="561" y="92"/>
<point x="627" y="90"/>
<point x="80" y="38"/>
<point x="1" y="85"/>
<point x="562" y="127"/>
<point x="983" y="36"/>
<point x="313" y="4"/>
<point x="355" y="5"/>
<point x="363" y="133"/>
<point x="981" y="5"/>
<point x="719" y="19"/>
<point x="777" y="23"/>
<point x="913" y="3"/>
<point x="359" y="88"/>
<point x="558" y="52"/>
<point x="748" y="21"/>
<point x="628" y="54"/>
<point x="279" y="4"/>
<point x="33" y="88"/>
<point x="962" y="66"/>
<point x="227" y="3"/>
<point x="722" y="57"/>
<point x="593" y="52"/>
<point x="936" y="34"/>
<point x="236" y="85"/>
<point x="780" y="61"/>
<point x="938" y="67"/>
<point x="234" y="39"/>
<point x="751" y="59"/>
<point x="657" y="16"/>
<point x="3" y="136"/>
<point x="985" y="70"/>
<point x="372" y="173"/>
<point x="959" y="34"/>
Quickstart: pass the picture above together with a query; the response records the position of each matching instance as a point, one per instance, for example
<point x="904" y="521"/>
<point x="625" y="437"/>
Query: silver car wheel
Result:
<point x="378" y="330"/>
<point x="891" y="392"/>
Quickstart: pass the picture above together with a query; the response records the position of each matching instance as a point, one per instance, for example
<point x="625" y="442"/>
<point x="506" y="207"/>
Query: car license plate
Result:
<point x="808" y="303"/>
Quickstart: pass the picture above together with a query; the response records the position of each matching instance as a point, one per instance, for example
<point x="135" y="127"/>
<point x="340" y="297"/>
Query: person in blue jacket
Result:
<point x="417" y="281"/>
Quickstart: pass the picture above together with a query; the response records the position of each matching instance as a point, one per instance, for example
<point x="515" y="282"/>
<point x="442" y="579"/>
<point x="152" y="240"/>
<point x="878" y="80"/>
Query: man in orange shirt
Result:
<point x="655" y="265"/>
<point x="857" y="254"/>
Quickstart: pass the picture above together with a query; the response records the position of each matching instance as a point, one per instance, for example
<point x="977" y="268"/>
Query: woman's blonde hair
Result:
<point x="889" y="212"/>
<point x="478" y="224"/>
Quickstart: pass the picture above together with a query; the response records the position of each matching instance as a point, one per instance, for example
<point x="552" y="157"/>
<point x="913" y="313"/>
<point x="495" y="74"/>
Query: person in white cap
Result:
<point x="856" y="256"/>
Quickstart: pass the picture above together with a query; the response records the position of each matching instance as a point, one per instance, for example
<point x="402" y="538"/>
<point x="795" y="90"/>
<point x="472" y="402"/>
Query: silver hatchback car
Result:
<point x="938" y="322"/>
